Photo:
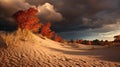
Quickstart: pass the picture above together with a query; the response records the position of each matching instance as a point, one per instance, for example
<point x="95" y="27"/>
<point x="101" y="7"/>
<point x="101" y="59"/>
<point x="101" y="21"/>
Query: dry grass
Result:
<point x="16" y="37"/>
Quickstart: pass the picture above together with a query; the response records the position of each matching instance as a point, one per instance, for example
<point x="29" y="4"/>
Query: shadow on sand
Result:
<point x="108" y="54"/>
<point x="2" y="43"/>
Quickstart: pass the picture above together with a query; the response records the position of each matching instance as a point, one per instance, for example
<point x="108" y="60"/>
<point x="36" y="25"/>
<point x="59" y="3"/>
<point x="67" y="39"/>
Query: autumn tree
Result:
<point x="84" y="42"/>
<point x="50" y="35"/>
<point x="57" y="38"/>
<point x="96" y="42"/>
<point x="64" y="41"/>
<point x="71" y="41"/>
<point x="79" y="41"/>
<point x="89" y="42"/>
<point x="46" y="31"/>
<point x="28" y="19"/>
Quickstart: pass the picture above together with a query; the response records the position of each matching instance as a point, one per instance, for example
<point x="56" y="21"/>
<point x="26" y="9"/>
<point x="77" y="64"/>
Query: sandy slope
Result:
<point x="37" y="51"/>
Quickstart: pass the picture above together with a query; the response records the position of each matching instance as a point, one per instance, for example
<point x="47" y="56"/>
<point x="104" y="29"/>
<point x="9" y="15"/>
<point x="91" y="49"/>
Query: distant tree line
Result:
<point x="93" y="42"/>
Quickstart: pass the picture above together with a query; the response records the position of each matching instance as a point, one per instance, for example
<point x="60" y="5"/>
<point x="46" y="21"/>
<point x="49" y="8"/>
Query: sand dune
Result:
<point x="24" y="49"/>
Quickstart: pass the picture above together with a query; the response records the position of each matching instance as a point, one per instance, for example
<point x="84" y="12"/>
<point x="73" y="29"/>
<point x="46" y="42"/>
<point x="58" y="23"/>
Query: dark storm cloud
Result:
<point x="69" y="15"/>
<point x="72" y="9"/>
<point x="76" y="11"/>
<point x="9" y="7"/>
<point x="83" y="14"/>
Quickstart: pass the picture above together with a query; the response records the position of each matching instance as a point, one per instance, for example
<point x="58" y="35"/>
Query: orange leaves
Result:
<point x="20" y="16"/>
<point x="36" y="26"/>
<point x="32" y="11"/>
<point x="48" y="24"/>
<point x="46" y="31"/>
<point x="28" y="20"/>
<point x="57" y="38"/>
<point x="89" y="43"/>
<point x="51" y="34"/>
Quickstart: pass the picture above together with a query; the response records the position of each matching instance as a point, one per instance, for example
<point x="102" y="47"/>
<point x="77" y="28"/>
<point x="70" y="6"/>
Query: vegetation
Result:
<point x="93" y="42"/>
<point x="46" y="31"/>
<point x="28" y="20"/>
<point x="16" y="37"/>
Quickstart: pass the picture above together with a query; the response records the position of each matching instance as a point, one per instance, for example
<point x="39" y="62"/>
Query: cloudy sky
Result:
<point x="72" y="19"/>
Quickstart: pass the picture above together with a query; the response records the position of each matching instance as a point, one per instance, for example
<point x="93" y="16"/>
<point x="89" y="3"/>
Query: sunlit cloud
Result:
<point x="48" y="13"/>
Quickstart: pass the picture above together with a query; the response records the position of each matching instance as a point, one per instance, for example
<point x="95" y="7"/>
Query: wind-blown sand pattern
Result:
<point x="29" y="50"/>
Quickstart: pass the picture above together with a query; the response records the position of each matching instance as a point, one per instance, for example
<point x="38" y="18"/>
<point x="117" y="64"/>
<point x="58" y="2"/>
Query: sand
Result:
<point x="38" y="51"/>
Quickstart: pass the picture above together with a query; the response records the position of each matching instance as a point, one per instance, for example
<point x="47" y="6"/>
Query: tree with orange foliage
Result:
<point x="57" y="38"/>
<point x="89" y="43"/>
<point x="28" y="20"/>
<point x="79" y="41"/>
<point x="50" y="35"/>
<point x="46" y="31"/>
